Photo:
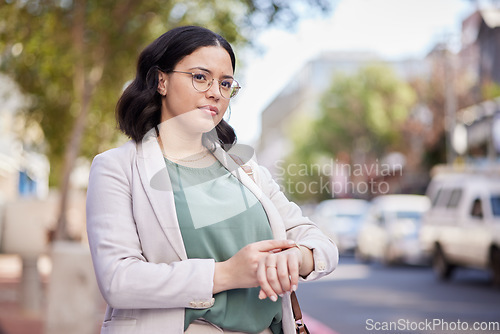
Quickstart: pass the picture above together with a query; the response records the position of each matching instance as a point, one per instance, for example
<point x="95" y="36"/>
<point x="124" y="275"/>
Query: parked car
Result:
<point x="390" y="231"/>
<point x="340" y="220"/>
<point x="462" y="228"/>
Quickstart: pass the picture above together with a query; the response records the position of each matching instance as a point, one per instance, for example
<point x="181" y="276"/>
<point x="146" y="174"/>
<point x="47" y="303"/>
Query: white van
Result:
<point x="462" y="227"/>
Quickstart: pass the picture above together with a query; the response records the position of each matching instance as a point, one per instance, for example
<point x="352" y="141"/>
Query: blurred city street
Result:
<point x="358" y="295"/>
<point x="379" y="118"/>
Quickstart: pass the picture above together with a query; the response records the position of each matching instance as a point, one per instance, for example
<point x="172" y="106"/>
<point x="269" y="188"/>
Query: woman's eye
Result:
<point x="226" y="84"/>
<point x="200" y="77"/>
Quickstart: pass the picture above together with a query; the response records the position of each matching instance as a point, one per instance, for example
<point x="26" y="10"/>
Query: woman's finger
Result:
<point x="282" y="272"/>
<point x="262" y="294"/>
<point x="267" y="267"/>
<point x="277" y="272"/>
<point x="273" y="245"/>
<point x="293" y="270"/>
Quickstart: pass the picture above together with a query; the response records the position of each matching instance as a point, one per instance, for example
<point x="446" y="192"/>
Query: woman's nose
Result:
<point x="214" y="90"/>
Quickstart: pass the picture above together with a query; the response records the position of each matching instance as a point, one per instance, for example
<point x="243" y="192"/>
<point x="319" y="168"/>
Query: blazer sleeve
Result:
<point x="125" y="277"/>
<point x="299" y="228"/>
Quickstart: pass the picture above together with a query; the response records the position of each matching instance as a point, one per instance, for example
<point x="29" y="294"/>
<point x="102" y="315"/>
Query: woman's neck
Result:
<point x="178" y="143"/>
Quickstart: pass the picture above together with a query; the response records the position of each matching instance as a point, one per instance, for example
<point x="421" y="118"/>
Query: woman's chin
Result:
<point x="203" y="125"/>
<point x="195" y="121"/>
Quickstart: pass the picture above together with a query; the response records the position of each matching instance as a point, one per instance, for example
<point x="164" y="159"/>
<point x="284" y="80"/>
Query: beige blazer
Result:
<point x="137" y="249"/>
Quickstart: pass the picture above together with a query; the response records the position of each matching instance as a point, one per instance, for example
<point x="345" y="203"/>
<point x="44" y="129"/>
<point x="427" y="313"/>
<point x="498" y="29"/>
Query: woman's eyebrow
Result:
<point x="207" y="70"/>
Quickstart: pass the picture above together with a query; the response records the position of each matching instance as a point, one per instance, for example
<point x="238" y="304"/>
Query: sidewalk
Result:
<point x="15" y="320"/>
<point x="12" y="318"/>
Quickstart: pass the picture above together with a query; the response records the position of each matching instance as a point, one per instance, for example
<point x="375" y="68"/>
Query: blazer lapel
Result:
<point x="156" y="183"/>
<point x="275" y="220"/>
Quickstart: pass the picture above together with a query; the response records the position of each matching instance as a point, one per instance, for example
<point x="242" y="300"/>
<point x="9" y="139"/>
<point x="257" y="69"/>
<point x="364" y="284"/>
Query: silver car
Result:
<point x="340" y="220"/>
<point x="390" y="232"/>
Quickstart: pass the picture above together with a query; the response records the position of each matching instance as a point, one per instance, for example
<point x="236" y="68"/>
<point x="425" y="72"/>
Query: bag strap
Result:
<point x="300" y="326"/>
<point x="297" y="313"/>
<point x="248" y="169"/>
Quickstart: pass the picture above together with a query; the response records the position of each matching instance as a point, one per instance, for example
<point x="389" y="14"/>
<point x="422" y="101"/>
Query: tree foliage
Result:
<point x="64" y="53"/>
<point x="364" y="112"/>
<point x="72" y="58"/>
<point x="490" y="90"/>
<point x="360" y="117"/>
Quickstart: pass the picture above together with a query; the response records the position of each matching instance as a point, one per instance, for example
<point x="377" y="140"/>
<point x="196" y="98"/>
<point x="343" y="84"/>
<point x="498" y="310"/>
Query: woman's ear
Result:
<point x="162" y="83"/>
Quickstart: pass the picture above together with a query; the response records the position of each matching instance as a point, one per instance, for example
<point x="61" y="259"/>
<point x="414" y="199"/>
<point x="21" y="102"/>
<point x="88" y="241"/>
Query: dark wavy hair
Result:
<point x="139" y="108"/>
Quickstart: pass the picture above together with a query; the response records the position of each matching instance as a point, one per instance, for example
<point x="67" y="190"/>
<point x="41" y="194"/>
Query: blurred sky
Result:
<point x="394" y="29"/>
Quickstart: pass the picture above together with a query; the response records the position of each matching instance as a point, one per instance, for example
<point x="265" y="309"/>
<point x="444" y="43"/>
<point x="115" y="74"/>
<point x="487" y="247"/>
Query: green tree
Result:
<point x="360" y="117"/>
<point x="490" y="90"/>
<point x="72" y="58"/>
<point x="303" y="178"/>
<point x="364" y="112"/>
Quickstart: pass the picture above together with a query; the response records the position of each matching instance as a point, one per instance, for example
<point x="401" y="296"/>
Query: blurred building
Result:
<point x="22" y="172"/>
<point x="477" y="130"/>
<point x="477" y="62"/>
<point x="489" y="46"/>
<point x="480" y="52"/>
<point x="303" y="93"/>
<point x="477" y="133"/>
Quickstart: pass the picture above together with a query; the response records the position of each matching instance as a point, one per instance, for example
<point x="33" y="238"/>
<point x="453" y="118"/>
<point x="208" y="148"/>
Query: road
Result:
<point x="371" y="298"/>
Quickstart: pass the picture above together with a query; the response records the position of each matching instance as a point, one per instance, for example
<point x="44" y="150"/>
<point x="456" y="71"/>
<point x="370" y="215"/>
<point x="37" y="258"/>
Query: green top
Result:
<point x="217" y="217"/>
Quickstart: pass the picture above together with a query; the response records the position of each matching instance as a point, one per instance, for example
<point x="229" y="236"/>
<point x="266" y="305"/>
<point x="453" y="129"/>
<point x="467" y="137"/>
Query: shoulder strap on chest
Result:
<point x="243" y="166"/>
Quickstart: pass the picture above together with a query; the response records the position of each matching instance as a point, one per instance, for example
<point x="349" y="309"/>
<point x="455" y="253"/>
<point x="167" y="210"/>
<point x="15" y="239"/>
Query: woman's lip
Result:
<point x="211" y="109"/>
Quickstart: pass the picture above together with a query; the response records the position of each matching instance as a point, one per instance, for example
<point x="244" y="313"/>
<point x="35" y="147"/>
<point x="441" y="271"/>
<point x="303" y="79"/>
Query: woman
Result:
<point x="182" y="239"/>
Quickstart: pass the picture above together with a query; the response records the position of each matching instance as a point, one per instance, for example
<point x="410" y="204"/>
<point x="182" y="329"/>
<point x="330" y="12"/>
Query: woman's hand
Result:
<point x="242" y="269"/>
<point x="279" y="273"/>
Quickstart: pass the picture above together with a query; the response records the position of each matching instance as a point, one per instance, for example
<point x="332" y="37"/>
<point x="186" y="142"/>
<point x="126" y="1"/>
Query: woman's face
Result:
<point x="196" y="111"/>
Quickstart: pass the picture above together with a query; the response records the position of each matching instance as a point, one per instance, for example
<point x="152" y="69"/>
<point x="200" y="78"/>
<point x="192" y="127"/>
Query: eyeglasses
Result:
<point x="202" y="81"/>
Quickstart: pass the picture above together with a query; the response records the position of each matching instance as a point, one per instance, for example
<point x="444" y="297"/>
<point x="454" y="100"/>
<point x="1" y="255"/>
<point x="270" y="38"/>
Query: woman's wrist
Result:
<point x="307" y="263"/>
<point x="221" y="278"/>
